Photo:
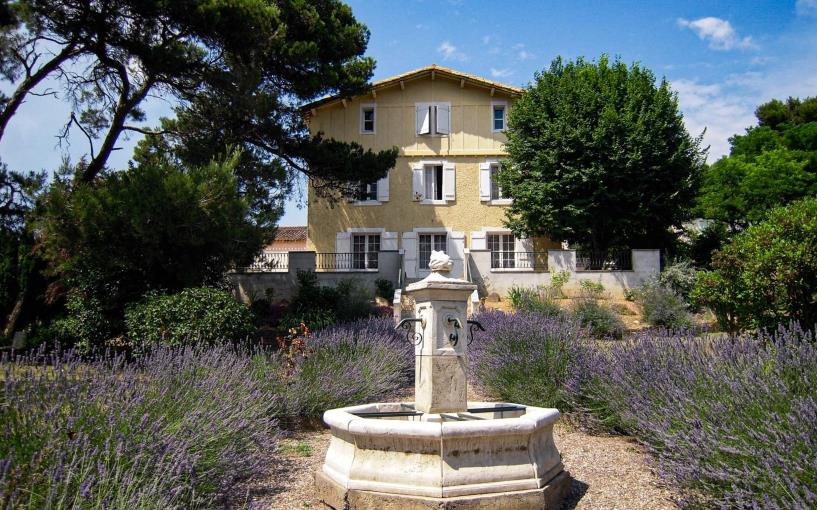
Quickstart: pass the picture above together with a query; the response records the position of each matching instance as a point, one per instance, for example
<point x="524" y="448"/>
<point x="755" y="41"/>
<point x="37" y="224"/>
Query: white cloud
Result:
<point x="522" y="53"/>
<point x="500" y="73"/>
<point x="720" y="33"/>
<point x="421" y="26"/>
<point x="486" y="39"/>
<point x="450" y="52"/>
<point x="727" y="107"/>
<point x="806" y="7"/>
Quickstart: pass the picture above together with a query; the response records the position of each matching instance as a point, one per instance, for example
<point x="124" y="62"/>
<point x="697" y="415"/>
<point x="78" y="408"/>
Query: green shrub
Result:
<point x="767" y="275"/>
<point x="591" y="288"/>
<point x="599" y="319"/>
<point x="679" y="277"/>
<point x="199" y="315"/>
<point x="384" y="288"/>
<point x="85" y="326"/>
<point x="537" y="299"/>
<point x="558" y="281"/>
<point x="661" y="306"/>
<point x="319" y="306"/>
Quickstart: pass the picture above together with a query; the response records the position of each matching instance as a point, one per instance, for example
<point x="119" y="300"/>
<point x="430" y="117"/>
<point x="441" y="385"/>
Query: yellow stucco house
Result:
<point x="449" y="127"/>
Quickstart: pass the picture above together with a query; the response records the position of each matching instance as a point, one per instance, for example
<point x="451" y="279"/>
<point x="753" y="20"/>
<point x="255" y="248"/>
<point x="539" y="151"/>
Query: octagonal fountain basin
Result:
<point x="494" y="455"/>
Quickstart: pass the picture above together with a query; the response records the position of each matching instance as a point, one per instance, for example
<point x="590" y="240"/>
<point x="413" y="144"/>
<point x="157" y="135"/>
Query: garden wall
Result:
<point x="248" y="285"/>
<point x="645" y="264"/>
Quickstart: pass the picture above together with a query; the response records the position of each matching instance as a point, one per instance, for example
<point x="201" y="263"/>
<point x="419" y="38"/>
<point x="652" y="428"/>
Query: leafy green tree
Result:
<point x="599" y="156"/>
<point x="109" y="55"/>
<point x="767" y="275"/>
<point x="771" y="164"/>
<point x="739" y="191"/>
<point x="152" y="227"/>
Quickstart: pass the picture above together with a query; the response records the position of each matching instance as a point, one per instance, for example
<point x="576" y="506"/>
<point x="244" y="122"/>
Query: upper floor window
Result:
<point x="498" y="116"/>
<point x="368" y="114"/>
<point x="489" y="188"/>
<point x="433" y="118"/>
<point x="434" y="182"/>
<point x="496" y="191"/>
<point x="367" y="191"/>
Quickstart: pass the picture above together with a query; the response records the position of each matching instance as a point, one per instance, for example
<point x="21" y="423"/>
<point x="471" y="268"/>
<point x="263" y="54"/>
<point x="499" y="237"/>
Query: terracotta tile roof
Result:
<point x="419" y="73"/>
<point x="290" y="234"/>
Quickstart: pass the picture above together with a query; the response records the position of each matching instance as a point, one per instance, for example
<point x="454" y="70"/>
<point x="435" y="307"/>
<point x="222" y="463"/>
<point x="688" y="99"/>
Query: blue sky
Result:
<point x="723" y="58"/>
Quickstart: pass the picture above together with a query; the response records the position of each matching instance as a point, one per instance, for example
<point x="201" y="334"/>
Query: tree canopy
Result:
<point x="772" y="164"/>
<point x="247" y="60"/>
<point x="599" y="156"/>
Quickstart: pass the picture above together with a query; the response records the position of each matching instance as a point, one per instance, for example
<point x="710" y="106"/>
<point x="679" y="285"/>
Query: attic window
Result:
<point x="498" y="110"/>
<point x="367" y="118"/>
<point x="433" y="118"/>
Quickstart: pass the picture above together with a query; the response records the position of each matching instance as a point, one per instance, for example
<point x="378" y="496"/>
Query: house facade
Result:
<point x="442" y="193"/>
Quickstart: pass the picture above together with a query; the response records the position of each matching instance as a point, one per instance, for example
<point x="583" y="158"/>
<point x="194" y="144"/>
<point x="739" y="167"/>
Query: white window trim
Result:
<point x="433" y="162"/>
<point x="504" y="104"/>
<point x="434" y="132"/>
<point x="431" y="230"/>
<point x="373" y="106"/>
<point x="496" y="201"/>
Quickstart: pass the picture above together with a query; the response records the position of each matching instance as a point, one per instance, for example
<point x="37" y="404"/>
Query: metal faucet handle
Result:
<point x="411" y="334"/>
<point x="472" y="324"/>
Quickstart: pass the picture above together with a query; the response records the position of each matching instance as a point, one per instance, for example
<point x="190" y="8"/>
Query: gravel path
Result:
<point x="610" y="472"/>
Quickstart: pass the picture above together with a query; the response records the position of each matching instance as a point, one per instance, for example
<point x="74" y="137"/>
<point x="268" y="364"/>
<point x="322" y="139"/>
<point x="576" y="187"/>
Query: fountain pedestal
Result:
<point x="441" y="451"/>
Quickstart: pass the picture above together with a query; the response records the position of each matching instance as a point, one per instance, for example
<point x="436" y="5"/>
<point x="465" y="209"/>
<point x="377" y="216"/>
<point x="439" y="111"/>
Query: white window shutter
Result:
<point x="484" y="182"/>
<point x="383" y="188"/>
<point x="410" y="254"/>
<point x="478" y="240"/>
<point x="388" y="241"/>
<point x="423" y="119"/>
<point x="343" y="242"/>
<point x="456" y="248"/>
<point x="417" y="183"/>
<point x="449" y="182"/>
<point x="443" y="115"/>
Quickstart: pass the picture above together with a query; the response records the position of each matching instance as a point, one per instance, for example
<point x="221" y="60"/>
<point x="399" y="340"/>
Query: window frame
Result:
<point x="498" y="244"/>
<point x="369" y="259"/>
<point x="422" y="262"/>
<point x="435" y="184"/>
<point x="365" y="107"/>
<point x="494" y="106"/>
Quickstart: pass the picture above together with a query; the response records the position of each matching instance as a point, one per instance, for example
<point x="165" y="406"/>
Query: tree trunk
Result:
<point x="11" y="321"/>
<point x="29" y="83"/>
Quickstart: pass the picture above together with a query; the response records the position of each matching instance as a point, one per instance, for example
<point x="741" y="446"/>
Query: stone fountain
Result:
<point x="441" y="451"/>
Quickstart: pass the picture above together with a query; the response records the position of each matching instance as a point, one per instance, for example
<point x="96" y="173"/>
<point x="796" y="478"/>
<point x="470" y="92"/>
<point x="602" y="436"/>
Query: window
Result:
<point x="364" y="251"/>
<point x="367" y="191"/>
<point x="496" y="191"/>
<point x="433" y="118"/>
<point x="367" y="118"/>
<point x="501" y="247"/>
<point x="429" y="242"/>
<point x="498" y="117"/>
<point x="434" y="182"/>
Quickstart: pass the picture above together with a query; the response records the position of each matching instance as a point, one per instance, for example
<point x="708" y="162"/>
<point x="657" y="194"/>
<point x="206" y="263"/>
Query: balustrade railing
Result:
<point x="357" y="261"/>
<point x="269" y="262"/>
<point x="609" y="261"/>
<point x="519" y="260"/>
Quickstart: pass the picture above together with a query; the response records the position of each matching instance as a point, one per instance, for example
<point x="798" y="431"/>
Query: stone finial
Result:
<point x="440" y="262"/>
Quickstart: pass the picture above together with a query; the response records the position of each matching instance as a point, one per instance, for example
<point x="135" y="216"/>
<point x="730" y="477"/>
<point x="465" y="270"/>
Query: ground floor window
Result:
<point x="501" y="247"/>
<point x="364" y="251"/>
<point x="429" y="242"/>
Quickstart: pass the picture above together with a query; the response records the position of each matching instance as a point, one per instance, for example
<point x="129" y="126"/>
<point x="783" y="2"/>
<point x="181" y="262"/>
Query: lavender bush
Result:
<point x="176" y="429"/>
<point x="527" y="358"/>
<point x="731" y="419"/>
<point x="346" y="364"/>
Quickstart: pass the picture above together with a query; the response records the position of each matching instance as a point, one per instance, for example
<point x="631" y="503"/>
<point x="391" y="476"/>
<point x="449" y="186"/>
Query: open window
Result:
<point x="433" y="182"/>
<point x="489" y="188"/>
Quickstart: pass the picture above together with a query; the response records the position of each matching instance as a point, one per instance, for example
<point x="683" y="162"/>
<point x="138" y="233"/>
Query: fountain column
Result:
<point x="441" y="339"/>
